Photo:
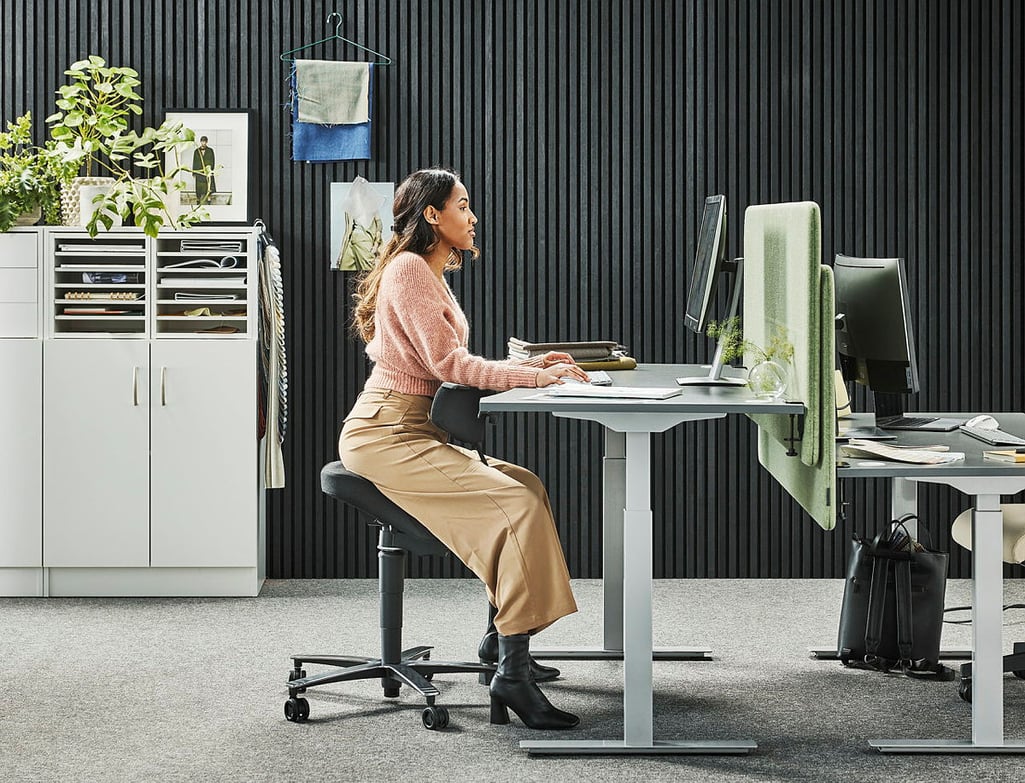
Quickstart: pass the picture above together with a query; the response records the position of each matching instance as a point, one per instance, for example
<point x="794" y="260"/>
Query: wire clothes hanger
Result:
<point x="383" y="59"/>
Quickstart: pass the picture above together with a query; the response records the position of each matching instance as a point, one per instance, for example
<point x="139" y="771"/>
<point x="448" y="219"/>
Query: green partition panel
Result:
<point x="788" y="291"/>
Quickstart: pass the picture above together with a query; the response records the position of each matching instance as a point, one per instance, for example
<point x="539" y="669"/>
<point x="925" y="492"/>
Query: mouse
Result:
<point x="983" y="422"/>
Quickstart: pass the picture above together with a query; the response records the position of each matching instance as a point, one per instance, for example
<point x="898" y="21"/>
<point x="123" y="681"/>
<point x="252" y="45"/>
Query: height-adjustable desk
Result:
<point x="985" y="481"/>
<point x="627" y="530"/>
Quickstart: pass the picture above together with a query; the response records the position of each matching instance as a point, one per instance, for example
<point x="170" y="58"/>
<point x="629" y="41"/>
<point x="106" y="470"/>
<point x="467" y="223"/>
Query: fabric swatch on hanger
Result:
<point x="313" y="142"/>
<point x="329" y="92"/>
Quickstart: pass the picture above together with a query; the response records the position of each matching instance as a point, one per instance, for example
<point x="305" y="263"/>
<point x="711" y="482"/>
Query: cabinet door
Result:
<point x="204" y="457"/>
<point x="95" y="453"/>
<point x="21" y="455"/>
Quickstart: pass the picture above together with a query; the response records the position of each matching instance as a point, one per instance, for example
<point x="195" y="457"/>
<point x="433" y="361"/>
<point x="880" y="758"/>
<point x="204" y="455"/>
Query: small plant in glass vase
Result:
<point x="91" y="132"/>
<point x="770" y="368"/>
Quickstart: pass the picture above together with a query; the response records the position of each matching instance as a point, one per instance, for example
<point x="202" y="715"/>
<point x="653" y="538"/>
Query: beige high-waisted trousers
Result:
<point x="496" y="518"/>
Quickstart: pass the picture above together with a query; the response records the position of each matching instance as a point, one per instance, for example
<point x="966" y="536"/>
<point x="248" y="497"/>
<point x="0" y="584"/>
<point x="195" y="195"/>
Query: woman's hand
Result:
<point x="557" y="372"/>
<point x="556" y="357"/>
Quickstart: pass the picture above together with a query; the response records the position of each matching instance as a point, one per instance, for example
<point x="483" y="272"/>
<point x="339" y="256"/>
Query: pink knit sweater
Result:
<point x="421" y="337"/>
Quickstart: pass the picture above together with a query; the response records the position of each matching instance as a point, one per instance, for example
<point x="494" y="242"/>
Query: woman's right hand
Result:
<point x="557" y="372"/>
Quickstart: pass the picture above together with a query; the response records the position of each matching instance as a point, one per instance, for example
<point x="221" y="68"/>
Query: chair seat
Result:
<point x="1014" y="531"/>
<point x="342" y="484"/>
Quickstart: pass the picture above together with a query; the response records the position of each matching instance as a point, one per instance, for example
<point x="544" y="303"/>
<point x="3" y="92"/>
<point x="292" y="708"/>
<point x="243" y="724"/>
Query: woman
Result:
<point x="496" y="518"/>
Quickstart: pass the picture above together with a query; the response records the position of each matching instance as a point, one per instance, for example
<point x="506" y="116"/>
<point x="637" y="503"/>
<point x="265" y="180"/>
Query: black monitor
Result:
<point x="709" y="265"/>
<point x="874" y="337"/>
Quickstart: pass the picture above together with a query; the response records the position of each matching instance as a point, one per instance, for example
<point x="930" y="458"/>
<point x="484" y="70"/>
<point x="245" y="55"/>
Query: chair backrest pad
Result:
<point x="1014" y="531"/>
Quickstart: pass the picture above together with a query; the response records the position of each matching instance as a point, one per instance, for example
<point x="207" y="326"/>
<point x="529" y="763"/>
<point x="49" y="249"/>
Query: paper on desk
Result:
<point x="919" y="455"/>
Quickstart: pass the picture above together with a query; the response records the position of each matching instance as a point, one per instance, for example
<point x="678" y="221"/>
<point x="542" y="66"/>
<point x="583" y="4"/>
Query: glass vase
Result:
<point x="768" y="380"/>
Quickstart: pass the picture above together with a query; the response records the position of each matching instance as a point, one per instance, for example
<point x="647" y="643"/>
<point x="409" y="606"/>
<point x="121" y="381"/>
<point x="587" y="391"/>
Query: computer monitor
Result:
<point x="874" y="337"/>
<point x="709" y="265"/>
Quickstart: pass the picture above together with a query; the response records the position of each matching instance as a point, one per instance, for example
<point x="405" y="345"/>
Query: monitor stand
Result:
<point x="715" y="376"/>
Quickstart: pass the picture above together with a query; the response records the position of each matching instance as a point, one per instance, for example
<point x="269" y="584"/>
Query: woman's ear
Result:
<point x="431" y="215"/>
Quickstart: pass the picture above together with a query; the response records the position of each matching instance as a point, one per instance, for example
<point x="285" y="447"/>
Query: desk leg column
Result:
<point x="637" y="538"/>
<point x="614" y="503"/>
<point x="987" y="616"/>
<point x="904" y="500"/>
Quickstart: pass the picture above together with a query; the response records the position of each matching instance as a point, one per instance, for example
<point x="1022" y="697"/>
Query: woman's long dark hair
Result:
<point x="410" y="232"/>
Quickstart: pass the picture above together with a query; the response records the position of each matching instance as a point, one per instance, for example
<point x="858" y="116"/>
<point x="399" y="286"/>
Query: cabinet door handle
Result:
<point x="135" y="386"/>
<point x="163" y="387"/>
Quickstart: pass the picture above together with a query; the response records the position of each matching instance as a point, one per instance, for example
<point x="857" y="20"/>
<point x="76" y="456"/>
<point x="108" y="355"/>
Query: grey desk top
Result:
<point x="974" y="464"/>
<point x="693" y="399"/>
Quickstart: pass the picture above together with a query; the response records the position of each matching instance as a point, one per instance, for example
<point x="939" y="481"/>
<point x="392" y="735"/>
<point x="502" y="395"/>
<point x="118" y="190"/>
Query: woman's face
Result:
<point x="453" y="224"/>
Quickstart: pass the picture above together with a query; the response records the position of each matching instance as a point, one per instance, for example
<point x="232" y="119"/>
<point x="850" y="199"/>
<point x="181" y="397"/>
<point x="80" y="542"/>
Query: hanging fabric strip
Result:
<point x="273" y="361"/>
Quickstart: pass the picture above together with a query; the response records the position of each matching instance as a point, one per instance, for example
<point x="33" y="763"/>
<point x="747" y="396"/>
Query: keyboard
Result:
<point x="993" y="437"/>
<point x="924" y="423"/>
<point x="600" y="378"/>
<point x="611" y="392"/>
<point x="907" y="422"/>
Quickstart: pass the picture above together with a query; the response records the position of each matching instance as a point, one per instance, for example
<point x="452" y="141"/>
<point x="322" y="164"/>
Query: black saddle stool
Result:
<point x="399" y="533"/>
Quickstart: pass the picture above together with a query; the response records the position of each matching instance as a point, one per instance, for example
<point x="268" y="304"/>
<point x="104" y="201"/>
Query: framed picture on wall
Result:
<point x="216" y="168"/>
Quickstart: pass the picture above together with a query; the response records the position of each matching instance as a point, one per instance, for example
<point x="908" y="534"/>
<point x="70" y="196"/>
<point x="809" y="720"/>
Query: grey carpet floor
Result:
<point x="192" y="689"/>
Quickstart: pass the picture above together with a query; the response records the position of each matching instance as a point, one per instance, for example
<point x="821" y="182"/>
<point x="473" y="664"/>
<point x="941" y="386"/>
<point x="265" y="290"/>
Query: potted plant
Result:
<point x="769" y="373"/>
<point x="30" y="177"/>
<point x="91" y="131"/>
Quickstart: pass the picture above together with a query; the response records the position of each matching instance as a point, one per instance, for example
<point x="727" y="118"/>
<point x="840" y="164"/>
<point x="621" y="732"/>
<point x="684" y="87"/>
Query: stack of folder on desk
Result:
<point x="594" y="355"/>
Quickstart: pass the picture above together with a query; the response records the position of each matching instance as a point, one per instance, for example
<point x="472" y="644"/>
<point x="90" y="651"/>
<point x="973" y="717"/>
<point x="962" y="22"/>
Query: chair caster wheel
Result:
<point x="297" y="710"/>
<point x="435" y="718"/>
<point x="964" y="690"/>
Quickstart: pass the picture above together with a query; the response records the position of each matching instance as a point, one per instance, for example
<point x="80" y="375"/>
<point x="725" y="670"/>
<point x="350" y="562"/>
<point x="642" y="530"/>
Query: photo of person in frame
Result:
<point x="203" y="161"/>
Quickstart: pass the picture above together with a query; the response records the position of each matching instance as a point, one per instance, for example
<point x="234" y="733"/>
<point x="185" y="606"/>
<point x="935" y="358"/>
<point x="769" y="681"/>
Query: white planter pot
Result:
<point x="74" y="206"/>
<point x="86" y="207"/>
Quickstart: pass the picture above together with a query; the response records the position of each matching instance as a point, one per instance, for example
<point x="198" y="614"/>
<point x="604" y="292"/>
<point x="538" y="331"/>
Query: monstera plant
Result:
<point x="91" y="131"/>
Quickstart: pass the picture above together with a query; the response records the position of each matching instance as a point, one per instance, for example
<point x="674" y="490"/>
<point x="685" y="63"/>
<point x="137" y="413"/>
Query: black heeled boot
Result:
<point x="514" y="689"/>
<point x="488" y="653"/>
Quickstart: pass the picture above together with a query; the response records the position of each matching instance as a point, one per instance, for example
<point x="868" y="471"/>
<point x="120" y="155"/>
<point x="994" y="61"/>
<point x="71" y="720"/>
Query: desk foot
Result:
<point x="944" y="746"/>
<point x="601" y="654"/>
<point x="832" y="654"/>
<point x="620" y="748"/>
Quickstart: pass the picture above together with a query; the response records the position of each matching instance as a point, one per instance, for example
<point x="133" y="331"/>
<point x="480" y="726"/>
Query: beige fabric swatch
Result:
<point x="329" y="92"/>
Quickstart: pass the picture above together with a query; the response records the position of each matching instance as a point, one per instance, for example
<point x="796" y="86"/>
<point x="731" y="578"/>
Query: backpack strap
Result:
<point x="876" y="609"/>
<point x="905" y="633"/>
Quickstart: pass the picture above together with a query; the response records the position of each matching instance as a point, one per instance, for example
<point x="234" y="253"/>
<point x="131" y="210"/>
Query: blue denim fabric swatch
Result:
<point x="319" y="143"/>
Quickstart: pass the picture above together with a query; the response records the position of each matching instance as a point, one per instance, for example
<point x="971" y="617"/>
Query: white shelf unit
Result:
<point x="205" y="288"/>
<point x="132" y="465"/>
<point x="99" y="285"/>
<point x="21" y="415"/>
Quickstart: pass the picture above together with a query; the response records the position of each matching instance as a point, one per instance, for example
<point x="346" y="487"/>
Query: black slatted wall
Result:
<point x="588" y="134"/>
